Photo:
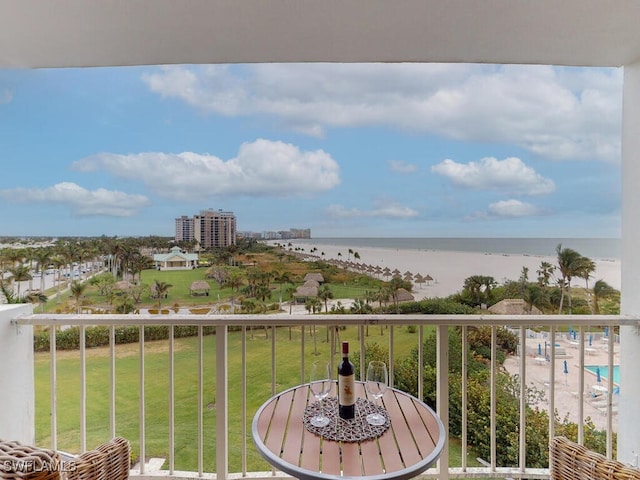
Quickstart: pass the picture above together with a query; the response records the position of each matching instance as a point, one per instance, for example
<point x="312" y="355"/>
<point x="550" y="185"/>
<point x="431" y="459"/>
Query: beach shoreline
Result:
<point x="449" y="269"/>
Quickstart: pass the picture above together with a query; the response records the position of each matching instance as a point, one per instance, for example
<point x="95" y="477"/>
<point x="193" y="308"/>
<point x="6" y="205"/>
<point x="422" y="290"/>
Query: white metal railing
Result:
<point x="520" y="324"/>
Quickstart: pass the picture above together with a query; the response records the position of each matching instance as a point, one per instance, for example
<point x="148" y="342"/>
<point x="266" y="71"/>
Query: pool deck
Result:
<point x="566" y="386"/>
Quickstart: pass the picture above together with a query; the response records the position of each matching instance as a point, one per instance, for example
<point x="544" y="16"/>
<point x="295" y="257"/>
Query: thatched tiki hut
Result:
<point x="199" y="287"/>
<point x="514" y="306"/>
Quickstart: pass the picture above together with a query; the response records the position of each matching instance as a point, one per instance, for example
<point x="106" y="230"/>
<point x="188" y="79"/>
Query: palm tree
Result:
<point x="20" y="273"/>
<point x="545" y="273"/>
<point x="324" y="294"/>
<point x="43" y="258"/>
<point x="290" y="290"/>
<point x="601" y="290"/>
<point x="161" y="290"/>
<point x="234" y="281"/>
<point x="77" y="289"/>
<point x="570" y="264"/>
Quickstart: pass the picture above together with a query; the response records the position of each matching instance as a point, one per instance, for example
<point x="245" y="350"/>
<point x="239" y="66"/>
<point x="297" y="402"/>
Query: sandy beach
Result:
<point x="450" y="269"/>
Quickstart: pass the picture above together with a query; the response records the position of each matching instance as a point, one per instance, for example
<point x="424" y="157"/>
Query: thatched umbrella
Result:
<point x="408" y="276"/>
<point x="378" y="270"/>
<point x="396" y="273"/>
<point x="386" y="272"/>
<point x="418" y="279"/>
<point x="428" y="278"/>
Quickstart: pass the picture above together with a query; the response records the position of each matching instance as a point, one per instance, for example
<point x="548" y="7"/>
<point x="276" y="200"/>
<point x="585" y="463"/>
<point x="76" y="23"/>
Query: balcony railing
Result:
<point x="242" y="328"/>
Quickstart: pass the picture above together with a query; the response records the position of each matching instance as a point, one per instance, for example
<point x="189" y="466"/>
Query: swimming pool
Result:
<point x="604" y="372"/>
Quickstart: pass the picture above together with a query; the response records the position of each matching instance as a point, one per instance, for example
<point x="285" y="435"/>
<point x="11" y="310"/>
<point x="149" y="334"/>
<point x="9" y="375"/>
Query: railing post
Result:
<point x="222" y="408"/>
<point x="16" y="357"/>
<point x="442" y="394"/>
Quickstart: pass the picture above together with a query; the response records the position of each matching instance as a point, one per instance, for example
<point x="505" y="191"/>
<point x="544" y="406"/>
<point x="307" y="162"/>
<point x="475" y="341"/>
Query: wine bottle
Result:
<point x="346" y="386"/>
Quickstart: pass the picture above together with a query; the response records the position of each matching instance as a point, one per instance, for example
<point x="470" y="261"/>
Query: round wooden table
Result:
<point x="411" y="444"/>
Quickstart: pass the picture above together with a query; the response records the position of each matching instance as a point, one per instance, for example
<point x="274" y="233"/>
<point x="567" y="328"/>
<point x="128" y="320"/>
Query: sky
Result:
<point x="347" y="150"/>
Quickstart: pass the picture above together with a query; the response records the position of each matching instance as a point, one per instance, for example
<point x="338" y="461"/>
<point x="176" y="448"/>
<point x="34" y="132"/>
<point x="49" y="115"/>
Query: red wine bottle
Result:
<point x="346" y="386"/>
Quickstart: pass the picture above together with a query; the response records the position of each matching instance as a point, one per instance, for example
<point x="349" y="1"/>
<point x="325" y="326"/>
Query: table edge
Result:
<point x="304" y="474"/>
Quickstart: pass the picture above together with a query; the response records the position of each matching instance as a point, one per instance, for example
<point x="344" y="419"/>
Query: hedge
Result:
<point x="69" y="339"/>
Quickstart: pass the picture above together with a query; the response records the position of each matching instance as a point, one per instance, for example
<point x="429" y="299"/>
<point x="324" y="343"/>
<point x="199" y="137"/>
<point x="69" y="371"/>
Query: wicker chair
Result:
<point x="109" y="461"/>
<point x="19" y="461"/>
<point x="570" y="461"/>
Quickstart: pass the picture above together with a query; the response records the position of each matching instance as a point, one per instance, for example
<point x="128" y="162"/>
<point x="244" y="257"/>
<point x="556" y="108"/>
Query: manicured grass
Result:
<point x="156" y="367"/>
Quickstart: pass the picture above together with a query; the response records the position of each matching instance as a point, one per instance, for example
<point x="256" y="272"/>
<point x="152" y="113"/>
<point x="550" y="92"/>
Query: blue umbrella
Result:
<point x="590" y="338"/>
<point x="539" y="349"/>
<point x="575" y="334"/>
<point x="598" y="379"/>
<point x="606" y="331"/>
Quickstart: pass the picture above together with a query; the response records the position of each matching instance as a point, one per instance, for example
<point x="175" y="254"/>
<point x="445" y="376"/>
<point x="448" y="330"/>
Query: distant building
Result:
<point x="184" y="229"/>
<point x="210" y="228"/>
<point x="176" y="259"/>
<point x="214" y="228"/>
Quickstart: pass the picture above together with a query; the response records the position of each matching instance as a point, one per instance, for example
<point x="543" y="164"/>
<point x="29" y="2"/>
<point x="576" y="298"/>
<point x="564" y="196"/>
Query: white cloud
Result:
<point x="391" y="211"/>
<point x="514" y="208"/>
<point x="557" y="113"/>
<point x="261" y="168"/>
<point x="510" y="175"/>
<point x="81" y="201"/>
<point x="400" y="166"/>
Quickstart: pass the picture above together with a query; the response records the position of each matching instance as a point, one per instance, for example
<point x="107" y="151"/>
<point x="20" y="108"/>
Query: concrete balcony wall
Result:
<point x="17" y="394"/>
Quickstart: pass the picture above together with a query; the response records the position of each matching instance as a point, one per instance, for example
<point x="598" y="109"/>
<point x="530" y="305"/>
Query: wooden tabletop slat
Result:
<point x="421" y="437"/>
<point x="281" y="437"/>
<point x="351" y="459"/>
<point x="295" y="429"/>
<point x="371" y="458"/>
<point x="431" y="423"/>
<point x="265" y="419"/>
<point x="389" y="450"/>
<point x="278" y="424"/>
<point x="402" y="430"/>
<point x="330" y="457"/>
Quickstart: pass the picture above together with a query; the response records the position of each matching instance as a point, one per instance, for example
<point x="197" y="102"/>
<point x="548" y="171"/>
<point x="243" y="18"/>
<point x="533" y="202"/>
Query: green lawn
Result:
<point x="186" y="392"/>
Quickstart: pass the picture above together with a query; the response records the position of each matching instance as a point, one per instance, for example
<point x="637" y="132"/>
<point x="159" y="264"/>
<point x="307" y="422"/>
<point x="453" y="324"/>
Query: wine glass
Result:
<point x="376" y="385"/>
<point x="320" y="384"/>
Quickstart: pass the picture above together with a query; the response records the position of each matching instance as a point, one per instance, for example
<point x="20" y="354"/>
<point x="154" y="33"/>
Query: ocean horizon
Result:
<point x="594" y="248"/>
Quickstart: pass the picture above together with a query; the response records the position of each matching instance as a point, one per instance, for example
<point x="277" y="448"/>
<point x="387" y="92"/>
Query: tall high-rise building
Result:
<point x="184" y="229"/>
<point x="214" y="228"/>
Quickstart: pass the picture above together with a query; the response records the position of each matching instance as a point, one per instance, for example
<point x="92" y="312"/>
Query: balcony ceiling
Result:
<point x="82" y="33"/>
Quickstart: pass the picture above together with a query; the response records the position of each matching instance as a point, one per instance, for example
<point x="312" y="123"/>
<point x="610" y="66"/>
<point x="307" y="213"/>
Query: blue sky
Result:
<point x="398" y="150"/>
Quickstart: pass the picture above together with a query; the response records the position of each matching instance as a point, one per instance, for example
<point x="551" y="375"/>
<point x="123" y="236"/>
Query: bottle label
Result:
<point x="347" y="395"/>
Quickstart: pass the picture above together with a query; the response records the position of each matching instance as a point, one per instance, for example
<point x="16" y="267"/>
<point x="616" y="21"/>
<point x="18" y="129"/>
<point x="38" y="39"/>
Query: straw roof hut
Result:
<point x="317" y="276"/>
<point x="311" y="283"/>
<point x="199" y="287"/>
<point x="304" y="292"/>
<point x="513" y="306"/>
<point x="404" y="295"/>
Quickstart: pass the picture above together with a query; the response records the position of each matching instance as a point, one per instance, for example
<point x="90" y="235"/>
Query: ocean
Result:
<point x="593" y="248"/>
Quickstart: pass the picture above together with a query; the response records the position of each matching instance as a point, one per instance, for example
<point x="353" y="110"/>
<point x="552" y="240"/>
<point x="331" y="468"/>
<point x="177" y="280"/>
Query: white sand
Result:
<point x="450" y="269"/>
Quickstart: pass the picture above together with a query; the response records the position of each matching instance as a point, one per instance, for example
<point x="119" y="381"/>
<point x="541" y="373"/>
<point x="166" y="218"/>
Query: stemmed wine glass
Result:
<point x="376" y="385"/>
<point x="320" y="384"/>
